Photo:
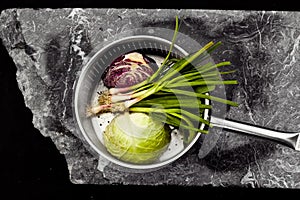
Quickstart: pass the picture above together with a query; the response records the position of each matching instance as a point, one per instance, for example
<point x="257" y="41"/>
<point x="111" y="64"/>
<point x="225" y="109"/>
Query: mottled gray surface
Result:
<point x="49" y="45"/>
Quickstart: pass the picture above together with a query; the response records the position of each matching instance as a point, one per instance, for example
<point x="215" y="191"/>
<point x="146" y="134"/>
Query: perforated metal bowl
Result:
<point x="156" y="42"/>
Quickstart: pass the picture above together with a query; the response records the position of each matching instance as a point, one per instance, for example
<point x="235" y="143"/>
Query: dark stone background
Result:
<point x="262" y="149"/>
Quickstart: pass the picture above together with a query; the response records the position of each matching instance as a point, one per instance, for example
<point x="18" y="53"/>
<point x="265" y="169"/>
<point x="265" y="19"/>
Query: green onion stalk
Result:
<point x="173" y="92"/>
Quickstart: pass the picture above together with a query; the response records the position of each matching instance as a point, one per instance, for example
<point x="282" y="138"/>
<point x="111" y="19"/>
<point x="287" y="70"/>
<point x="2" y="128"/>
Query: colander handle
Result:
<point x="287" y="138"/>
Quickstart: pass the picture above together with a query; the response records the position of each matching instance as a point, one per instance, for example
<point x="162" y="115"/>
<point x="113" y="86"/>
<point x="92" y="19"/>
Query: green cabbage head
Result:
<point x="136" y="138"/>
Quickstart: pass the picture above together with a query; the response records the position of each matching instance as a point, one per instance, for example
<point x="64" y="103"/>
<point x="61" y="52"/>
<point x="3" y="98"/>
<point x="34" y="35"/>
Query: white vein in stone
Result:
<point x="66" y="89"/>
<point x="77" y="15"/>
<point x="291" y="56"/>
<point x="249" y="178"/>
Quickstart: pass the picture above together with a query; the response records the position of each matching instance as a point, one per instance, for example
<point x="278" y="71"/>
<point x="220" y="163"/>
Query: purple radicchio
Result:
<point x="129" y="69"/>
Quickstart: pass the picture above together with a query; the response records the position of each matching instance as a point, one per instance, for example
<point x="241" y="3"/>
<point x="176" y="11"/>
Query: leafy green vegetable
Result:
<point x="136" y="138"/>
